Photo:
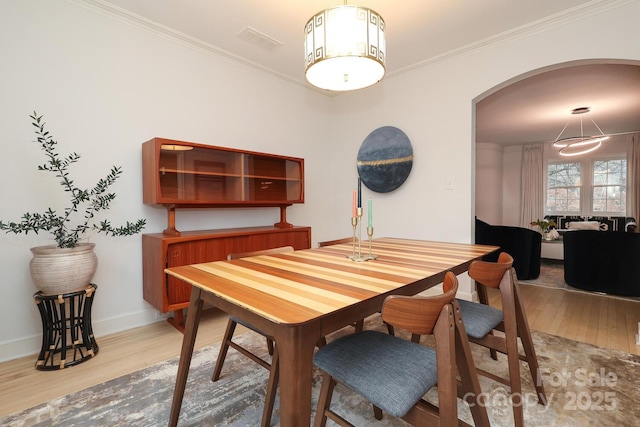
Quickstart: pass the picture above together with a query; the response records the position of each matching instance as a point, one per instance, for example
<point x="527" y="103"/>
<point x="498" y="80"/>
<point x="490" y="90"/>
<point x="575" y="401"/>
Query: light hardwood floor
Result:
<point x="600" y="320"/>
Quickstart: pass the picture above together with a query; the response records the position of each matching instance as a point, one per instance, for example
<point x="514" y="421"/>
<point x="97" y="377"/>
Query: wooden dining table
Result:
<point x="298" y="297"/>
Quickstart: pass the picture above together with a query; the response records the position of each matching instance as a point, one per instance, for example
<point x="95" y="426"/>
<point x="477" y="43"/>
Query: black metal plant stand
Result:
<point x="67" y="334"/>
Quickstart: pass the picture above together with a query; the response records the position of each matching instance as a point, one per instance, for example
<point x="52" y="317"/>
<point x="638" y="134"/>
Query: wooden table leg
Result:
<point x="296" y="345"/>
<point x="188" y="342"/>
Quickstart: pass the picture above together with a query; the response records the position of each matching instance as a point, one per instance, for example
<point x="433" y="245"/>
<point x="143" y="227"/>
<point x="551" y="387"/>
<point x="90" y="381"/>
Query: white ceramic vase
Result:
<point x="57" y="270"/>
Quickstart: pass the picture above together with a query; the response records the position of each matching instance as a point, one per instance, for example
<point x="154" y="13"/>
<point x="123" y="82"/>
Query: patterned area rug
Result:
<point x="552" y="276"/>
<point x="585" y="385"/>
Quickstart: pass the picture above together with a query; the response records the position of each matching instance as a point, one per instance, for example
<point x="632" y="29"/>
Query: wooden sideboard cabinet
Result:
<point x="161" y="251"/>
<point x="187" y="175"/>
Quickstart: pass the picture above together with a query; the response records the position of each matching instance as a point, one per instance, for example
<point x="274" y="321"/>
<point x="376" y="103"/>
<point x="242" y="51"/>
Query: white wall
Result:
<point x="106" y="86"/>
<point x="433" y="105"/>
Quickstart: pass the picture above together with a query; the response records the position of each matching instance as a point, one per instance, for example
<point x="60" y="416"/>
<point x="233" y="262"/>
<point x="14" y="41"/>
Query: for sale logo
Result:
<point x="585" y="390"/>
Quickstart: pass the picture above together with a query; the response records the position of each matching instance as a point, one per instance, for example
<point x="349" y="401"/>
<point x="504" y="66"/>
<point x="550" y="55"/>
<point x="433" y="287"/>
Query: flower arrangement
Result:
<point x="544" y="224"/>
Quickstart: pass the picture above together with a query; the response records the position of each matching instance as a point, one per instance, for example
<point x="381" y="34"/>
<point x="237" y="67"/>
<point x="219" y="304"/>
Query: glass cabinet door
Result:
<point x="184" y="173"/>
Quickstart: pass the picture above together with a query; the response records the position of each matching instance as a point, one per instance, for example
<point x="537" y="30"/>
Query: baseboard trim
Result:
<point x="30" y="346"/>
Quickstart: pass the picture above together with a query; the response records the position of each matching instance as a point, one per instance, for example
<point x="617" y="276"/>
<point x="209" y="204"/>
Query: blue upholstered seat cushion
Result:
<point x="390" y="372"/>
<point x="479" y="319"/>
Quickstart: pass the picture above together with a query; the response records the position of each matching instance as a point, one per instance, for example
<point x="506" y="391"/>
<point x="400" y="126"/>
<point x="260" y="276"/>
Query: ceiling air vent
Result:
<point x="259" y="39"/>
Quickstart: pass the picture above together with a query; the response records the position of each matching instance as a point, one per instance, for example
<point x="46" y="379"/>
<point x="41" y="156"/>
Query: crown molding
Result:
<point x="108" y="9"/>
<point x="587" y="9"/>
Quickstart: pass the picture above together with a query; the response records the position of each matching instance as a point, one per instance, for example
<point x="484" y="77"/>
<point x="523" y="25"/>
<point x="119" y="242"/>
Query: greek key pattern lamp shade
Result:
<point x="345" y="48"/>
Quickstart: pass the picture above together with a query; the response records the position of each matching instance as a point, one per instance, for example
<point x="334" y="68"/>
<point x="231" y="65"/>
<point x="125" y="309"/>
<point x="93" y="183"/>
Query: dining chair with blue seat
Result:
<point x="340" y="241"/>
<point x="227" y="341"/>
<point x="394" y="373"/>
<point x="482" y="320"/>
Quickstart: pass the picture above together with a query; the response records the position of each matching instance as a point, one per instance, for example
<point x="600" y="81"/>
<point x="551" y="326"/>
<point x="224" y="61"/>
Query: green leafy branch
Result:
<point x="95" y="200"/>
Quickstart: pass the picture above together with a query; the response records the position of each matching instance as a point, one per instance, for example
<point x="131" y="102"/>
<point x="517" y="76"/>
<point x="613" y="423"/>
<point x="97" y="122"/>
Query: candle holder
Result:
<point x="356" y="222"/>
<point x="370" y="234"/>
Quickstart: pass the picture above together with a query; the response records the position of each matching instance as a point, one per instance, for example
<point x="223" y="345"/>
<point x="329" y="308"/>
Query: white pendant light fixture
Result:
<point x="576" y="145"/>
<point x="344" y="48"/>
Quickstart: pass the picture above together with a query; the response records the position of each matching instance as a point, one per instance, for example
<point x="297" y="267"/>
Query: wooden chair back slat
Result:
<point x="490" y="274"/>
<point x="335" y="242"/>
<point x="417" y="314"/>
<point x="272" y="251"/>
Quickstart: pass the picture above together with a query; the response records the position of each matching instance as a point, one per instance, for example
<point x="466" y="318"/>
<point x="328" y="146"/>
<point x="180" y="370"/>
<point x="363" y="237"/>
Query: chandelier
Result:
<point x="576" y="145"/>
<point x="344" y="48"/>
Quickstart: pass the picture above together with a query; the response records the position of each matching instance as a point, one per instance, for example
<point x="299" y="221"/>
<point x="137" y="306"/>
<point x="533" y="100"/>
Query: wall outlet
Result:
<point x="449" y="184"/>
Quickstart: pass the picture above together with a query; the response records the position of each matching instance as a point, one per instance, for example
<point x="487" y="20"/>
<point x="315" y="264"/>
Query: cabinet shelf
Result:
<point x="179" y="174"/>
<point x="195" y="172"/>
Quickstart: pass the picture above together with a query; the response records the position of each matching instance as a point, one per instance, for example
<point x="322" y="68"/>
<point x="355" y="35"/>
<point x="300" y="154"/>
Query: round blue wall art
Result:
<point x="385" y="159"/>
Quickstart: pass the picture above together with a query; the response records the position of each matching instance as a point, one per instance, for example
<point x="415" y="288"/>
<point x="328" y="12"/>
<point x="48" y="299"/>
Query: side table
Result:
<point x="67" y="334"/>
<point x="552" y="249"/>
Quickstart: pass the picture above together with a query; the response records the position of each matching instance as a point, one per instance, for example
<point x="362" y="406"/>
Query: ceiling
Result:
<point x="532" y="110"/>
<point x="536" y="109"/>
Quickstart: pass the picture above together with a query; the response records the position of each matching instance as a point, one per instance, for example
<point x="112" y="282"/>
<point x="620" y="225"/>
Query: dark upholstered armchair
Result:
<point x="523" y="244"/>
<point x="603" y="261"/>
